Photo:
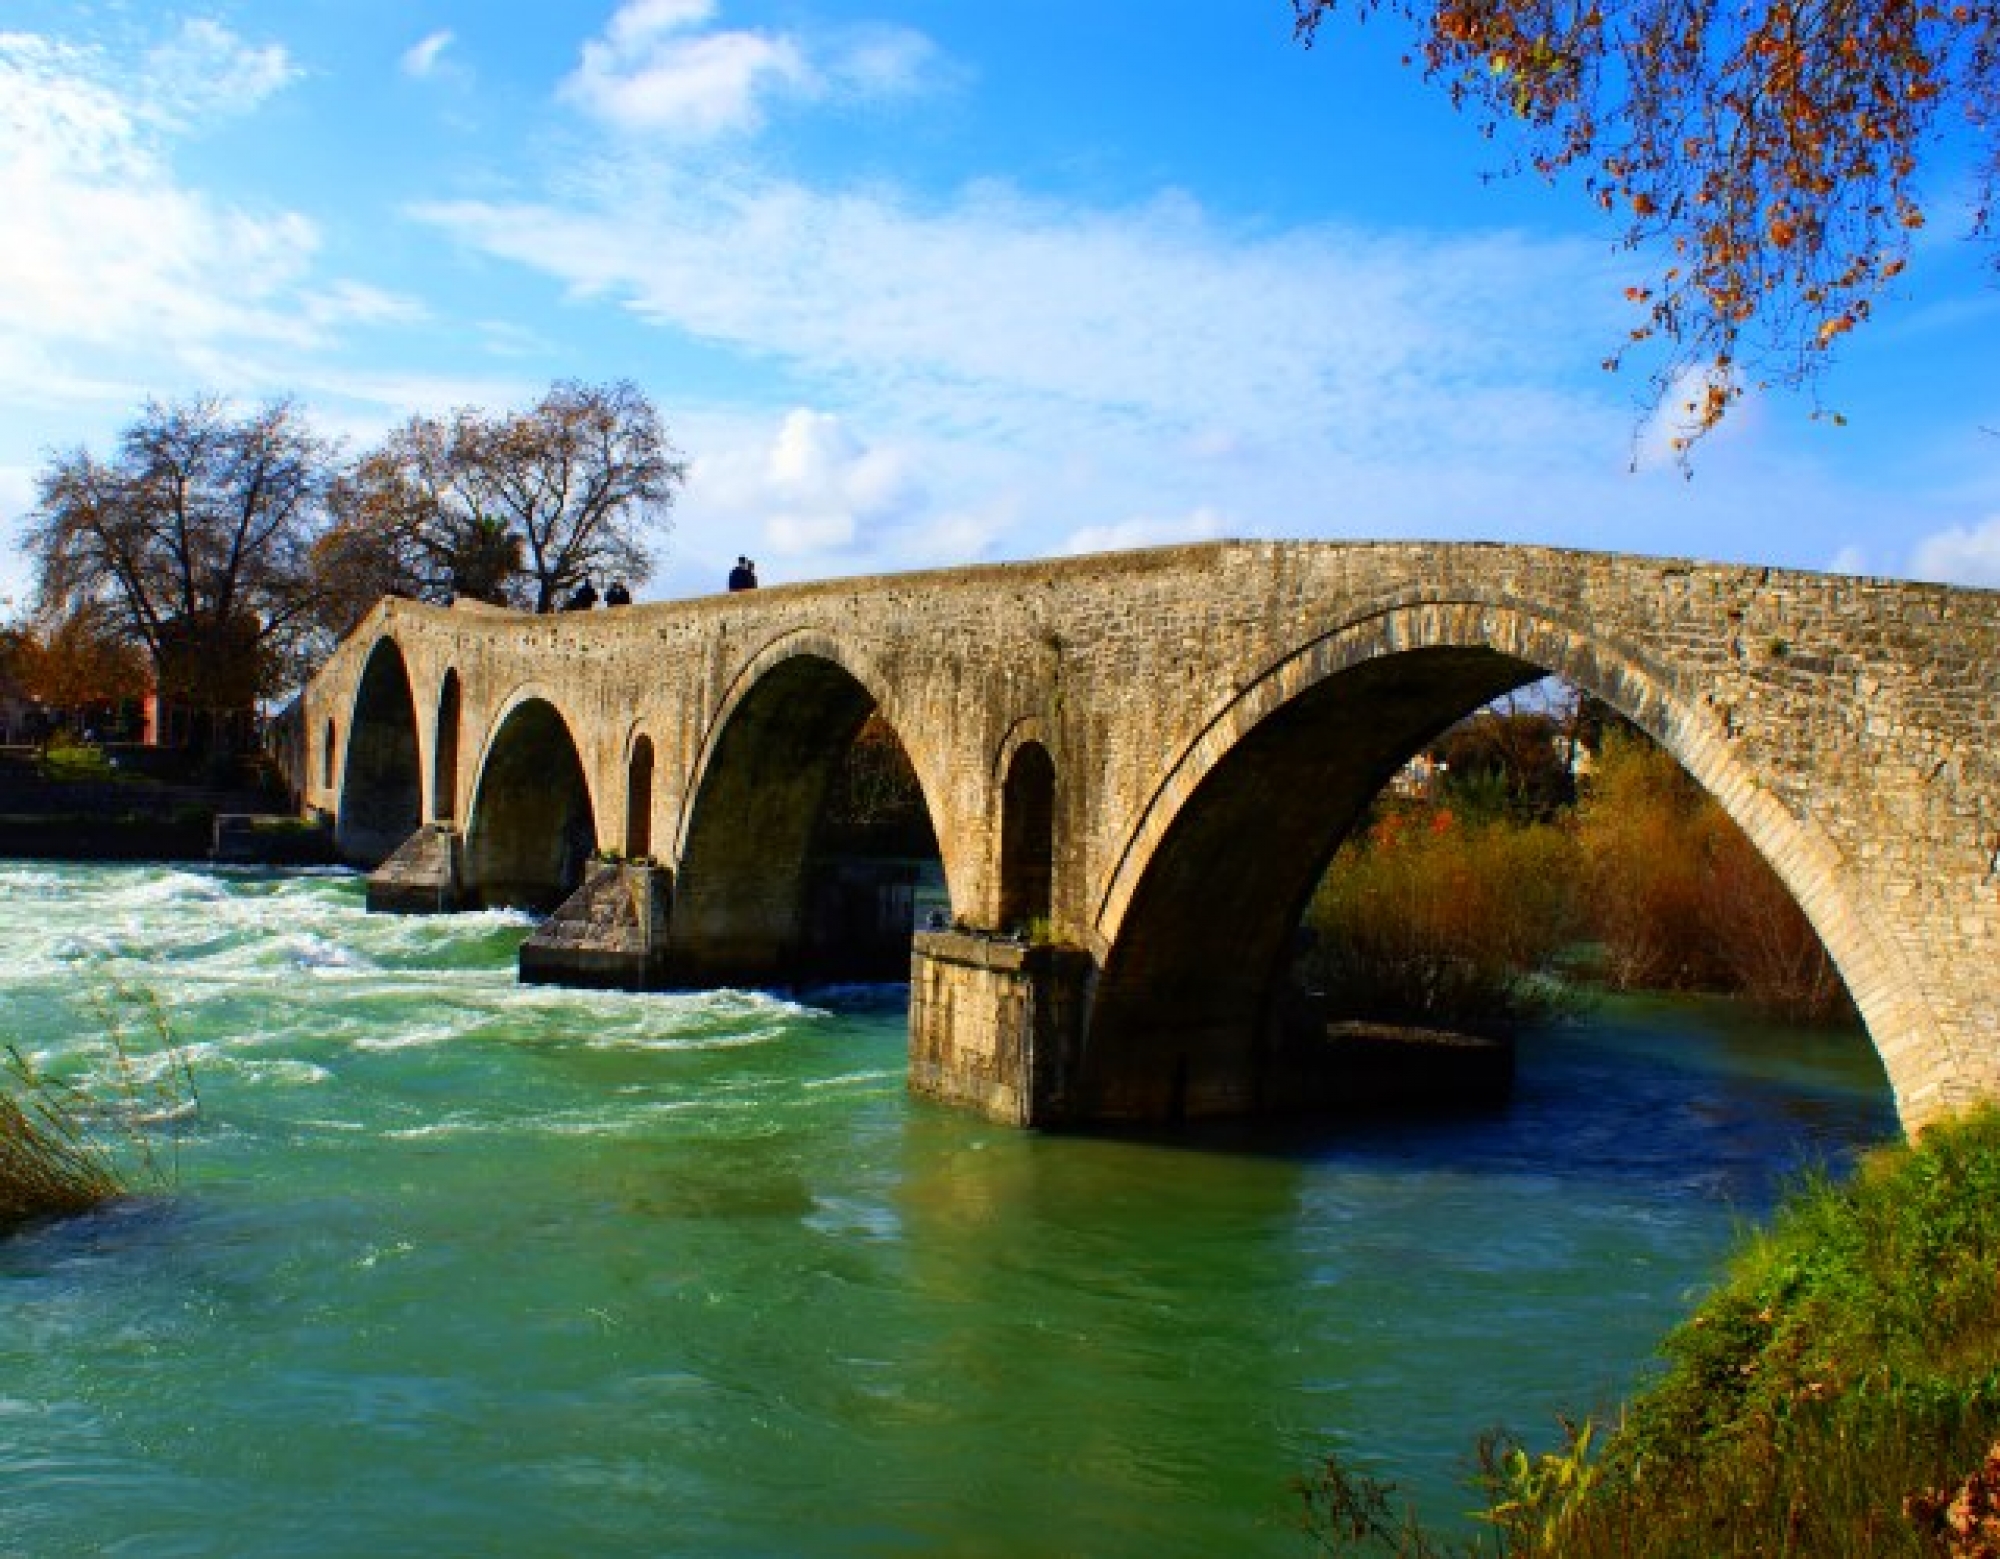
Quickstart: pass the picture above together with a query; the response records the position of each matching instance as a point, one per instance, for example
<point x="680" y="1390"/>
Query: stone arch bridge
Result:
<point x="1148" y="758"/>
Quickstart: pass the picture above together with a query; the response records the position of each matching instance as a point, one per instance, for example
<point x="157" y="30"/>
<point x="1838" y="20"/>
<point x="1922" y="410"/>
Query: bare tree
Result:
<point x="582" y="477"/>
<point x="411" y="519"/>
<point x="517" y="508"/>
<point x="195" y="541"/>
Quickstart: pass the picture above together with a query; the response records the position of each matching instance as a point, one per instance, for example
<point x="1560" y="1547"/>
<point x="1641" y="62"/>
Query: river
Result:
<point x="457" y="1267"/>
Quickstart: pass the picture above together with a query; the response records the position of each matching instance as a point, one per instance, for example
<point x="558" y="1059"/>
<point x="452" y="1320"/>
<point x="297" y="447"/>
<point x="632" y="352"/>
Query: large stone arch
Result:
<point x="1194" y="922"/>
<point x="758" y="787"/>
<point x="381" y="787"/>
<point x="532" y="824"/>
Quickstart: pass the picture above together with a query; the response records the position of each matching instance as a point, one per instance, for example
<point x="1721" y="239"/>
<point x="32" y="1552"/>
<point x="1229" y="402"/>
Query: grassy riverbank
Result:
<point x="1832" y="1397"/>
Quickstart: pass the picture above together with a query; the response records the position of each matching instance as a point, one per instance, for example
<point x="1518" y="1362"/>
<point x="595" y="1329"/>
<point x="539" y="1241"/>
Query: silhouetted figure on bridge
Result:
<point x="584" y="598"/>
<point x="743" y="576"/>
<point x="617" y="595"/>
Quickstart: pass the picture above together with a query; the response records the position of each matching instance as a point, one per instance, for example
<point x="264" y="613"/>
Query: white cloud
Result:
<point x="1664" y="437"/>
<point x="651" y="73"/>
<point x="1962" y="555"/>
<point x="879" y="63"/>
<point x="659" y="70"/>
<point x="17" y="497"/>
<point x="809" y="489"/>
<point x="425" y="58"/>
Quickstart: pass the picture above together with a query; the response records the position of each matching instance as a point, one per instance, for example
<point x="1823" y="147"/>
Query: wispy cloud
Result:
<point x="425" y="58"/>
<point x="110" y="257"/>
<point x="205" y="71"/>
<point x="1202" y="524"/>
<point x="996" y="313"/>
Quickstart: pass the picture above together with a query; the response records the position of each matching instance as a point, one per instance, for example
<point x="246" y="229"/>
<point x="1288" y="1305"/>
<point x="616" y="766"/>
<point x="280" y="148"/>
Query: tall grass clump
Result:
<point x="69" y="1146"/>
<point x="1678" y="898"/>
<point x="1838" y="1394"/>
<point x="1431" y="920"/>
<point x="50" y="1165"/>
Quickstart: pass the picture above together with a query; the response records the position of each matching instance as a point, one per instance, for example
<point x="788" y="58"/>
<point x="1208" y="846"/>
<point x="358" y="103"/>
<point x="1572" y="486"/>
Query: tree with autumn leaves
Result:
<point x="230" y="547"/>
<point x="1765" y="153"/>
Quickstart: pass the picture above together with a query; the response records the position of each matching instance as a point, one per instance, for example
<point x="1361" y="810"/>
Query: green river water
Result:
<point x="460" y="1268"/>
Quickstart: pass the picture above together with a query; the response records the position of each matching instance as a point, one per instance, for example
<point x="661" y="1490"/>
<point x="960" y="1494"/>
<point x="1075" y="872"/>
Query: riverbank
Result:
<point x="1838" y="1393"/>
<point x="140" y="804"/>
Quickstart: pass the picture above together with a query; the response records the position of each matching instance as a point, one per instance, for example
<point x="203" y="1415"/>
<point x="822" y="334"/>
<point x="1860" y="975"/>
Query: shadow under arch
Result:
<point x="1195" y="926"/>
<point x="532" y="826"/>
<point x="757" y="900"/>
<point x="382" y="787"/>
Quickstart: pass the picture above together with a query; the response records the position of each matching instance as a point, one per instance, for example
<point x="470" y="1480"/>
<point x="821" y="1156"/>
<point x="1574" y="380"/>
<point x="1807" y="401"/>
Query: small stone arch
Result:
<point x="639" y="798"/>
<point x="381" y="791"/>
<point x="444" y="762"/>
<point x="1027" y="836"/>
<point x="532" y="825"/>
<point x="1224" y="842"/>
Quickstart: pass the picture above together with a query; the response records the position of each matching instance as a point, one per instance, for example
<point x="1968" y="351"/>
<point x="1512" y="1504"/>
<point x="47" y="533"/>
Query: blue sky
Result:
<point x="923" y="284"/>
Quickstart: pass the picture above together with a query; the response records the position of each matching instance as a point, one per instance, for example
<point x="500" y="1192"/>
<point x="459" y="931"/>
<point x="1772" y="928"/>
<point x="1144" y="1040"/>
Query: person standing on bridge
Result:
<point x="744" y="575"/>
<point x="617" y="595"/>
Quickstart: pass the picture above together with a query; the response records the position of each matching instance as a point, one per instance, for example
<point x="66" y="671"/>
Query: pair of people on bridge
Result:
<point x="744" y="575"/>
<point x="584" y="597"/>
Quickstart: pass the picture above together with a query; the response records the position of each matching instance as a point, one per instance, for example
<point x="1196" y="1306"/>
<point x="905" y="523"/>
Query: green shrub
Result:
<point x="69" y="760"/>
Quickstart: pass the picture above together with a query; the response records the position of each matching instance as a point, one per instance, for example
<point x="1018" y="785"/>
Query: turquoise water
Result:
<point x="456" y="1267"/>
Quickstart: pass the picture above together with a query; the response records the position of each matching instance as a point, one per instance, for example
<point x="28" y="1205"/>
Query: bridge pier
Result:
<point x="424" y="876"/>
<point x="995" y="1025"/>
<point x="611" y="934"/>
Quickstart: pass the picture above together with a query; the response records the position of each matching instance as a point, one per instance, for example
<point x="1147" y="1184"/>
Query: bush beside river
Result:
<point x="1457" y="908"/>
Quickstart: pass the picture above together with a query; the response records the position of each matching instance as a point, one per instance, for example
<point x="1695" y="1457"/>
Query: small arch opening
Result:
<point x="444" y="770"/>
<point x="639" y="800"/>
<point x="1027" y="838"/>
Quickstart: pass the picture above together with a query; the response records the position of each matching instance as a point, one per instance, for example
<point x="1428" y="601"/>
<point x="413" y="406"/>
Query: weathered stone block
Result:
<point x="421" y="878"/>
<point x="611" y="934"/>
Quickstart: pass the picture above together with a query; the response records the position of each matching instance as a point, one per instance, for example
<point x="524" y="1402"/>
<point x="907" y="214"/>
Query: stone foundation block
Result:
<point x="995" y="1025"/>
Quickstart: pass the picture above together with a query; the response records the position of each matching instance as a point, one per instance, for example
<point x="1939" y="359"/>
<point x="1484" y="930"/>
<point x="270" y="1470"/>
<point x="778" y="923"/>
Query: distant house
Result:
<point x="167" y="722"/>
<point x="1419" y="778"/>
